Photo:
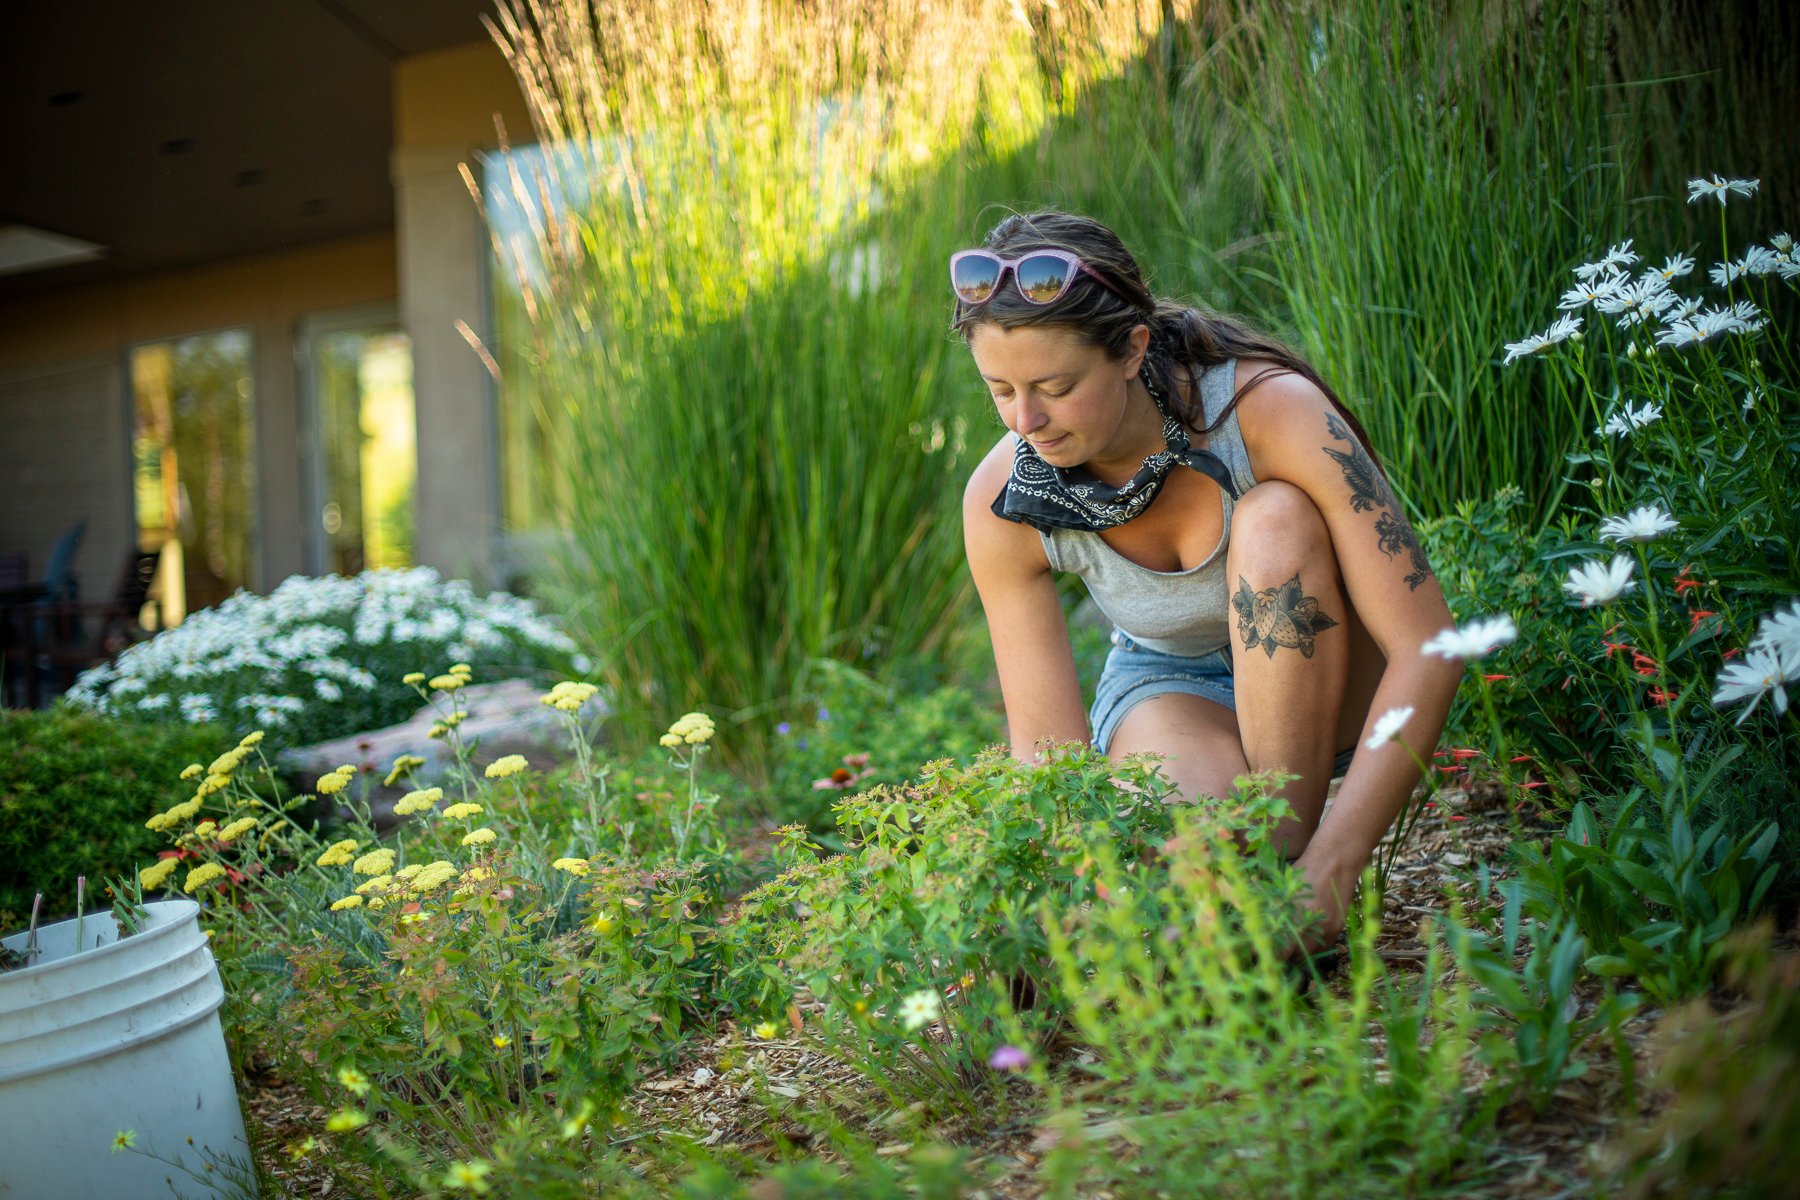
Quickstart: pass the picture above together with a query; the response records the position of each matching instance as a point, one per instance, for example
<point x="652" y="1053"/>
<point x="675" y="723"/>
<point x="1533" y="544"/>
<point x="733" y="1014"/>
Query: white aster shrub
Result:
<point x="305" y="661"/>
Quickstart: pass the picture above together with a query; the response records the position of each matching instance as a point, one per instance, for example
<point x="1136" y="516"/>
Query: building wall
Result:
<point x="65" y="410"/>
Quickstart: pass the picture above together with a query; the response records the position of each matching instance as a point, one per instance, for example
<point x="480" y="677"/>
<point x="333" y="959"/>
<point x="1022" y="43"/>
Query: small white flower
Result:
<point x="1780" y="632"/>
<point x="1638" y="302"/>
<point x="1563" y="329"/>
<point x="920" y="1009"/>
<point x="1726" y="273"/>
<point x="1675" y="266"/>
<point x="1622" y="423"/>
<point x="1742" y="317"/>
<point x="1717" y="186"/>
<point x="1473" y="640"/>
<point x="1590" y="291"/>
<point x="1387" y="726"/>
<point x="1749" y="401"/>
<point x="1783" y="243"/>
<point x="1640" y="525"/>
<point x="1761" y="672"/>
<point x="1601" y="583"/>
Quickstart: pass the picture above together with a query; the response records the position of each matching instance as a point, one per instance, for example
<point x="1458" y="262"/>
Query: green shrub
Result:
<point x="75" y="787"/>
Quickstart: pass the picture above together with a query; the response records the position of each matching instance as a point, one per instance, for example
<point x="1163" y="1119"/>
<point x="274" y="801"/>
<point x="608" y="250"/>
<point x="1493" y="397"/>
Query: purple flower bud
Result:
<point x="824" y="714"/>
<point x="783" y="729"/>
<point x="1008" y="1058"/>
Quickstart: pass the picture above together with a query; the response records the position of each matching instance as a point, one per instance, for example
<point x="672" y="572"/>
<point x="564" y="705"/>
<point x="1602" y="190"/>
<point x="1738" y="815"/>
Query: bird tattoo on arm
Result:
<point x="1369" y="492"/>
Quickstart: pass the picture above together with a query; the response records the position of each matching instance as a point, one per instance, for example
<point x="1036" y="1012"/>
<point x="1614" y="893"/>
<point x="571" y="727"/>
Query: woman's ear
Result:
<point x="1137" y="343"/>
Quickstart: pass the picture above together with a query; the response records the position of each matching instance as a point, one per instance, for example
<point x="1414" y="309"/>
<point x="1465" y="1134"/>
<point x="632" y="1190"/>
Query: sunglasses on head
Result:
<point x="1041" y="276"/>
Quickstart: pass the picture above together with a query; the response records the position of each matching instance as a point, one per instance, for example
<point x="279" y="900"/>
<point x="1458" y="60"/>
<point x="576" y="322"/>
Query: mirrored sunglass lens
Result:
<point x="975" y="278"/>
<point x="1041" y="277"/>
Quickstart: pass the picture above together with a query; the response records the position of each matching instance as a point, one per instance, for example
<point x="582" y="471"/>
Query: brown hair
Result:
<point x="1180" y="335"/>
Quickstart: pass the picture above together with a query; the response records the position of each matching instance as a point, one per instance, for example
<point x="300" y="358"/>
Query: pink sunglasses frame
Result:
<point x="1011" y="264"/>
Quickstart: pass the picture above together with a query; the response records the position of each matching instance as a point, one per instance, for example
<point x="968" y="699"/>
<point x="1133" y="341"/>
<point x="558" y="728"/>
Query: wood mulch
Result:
<point x="722" y="1094"/>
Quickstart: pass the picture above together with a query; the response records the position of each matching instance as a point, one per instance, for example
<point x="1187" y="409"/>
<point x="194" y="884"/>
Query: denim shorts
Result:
<point x="1135" y="673"/>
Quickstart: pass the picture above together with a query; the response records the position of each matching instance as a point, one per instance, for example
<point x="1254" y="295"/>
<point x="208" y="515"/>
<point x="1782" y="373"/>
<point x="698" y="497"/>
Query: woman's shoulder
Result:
<point x="1274" y="402"/>
<point x="991" y="473"/>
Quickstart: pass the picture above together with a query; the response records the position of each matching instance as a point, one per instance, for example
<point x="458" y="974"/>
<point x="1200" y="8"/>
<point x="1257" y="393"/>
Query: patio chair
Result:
<point x="47" y="642"/>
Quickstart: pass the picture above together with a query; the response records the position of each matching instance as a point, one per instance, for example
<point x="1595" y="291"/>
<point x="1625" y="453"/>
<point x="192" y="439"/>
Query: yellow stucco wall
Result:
<point x="449" y="98"/>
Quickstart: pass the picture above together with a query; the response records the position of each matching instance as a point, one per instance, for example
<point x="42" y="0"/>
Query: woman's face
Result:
<point x="1064" y="396"/>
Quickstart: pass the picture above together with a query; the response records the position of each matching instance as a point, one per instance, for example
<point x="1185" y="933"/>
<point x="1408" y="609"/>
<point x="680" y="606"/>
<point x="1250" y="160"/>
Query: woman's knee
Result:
<point x="1277" y="528"/>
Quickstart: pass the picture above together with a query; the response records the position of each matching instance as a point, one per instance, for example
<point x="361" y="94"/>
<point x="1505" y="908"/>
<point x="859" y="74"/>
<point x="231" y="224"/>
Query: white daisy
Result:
<point x="1783" y="243"/>
<point x="1761" y="672"/>
<point x="1563" y="329"/>
<point x="1474" y="640"/>
<point x="1590" y="291"/>
<point x="920" y="1009"/>
<point x="1780" y="632"/>
<point x="1601" y="583"/>
<point x="1675" y="266"/>
<point x="1726" y="273"/>
<point x="1640" y="525"/>
<point x="1622" y="423"/>
<point x="1717" y="186"/>
<point x="1387" y="725"/>
<point x="1638" y="302"/>
<point x="1616" y="257"/>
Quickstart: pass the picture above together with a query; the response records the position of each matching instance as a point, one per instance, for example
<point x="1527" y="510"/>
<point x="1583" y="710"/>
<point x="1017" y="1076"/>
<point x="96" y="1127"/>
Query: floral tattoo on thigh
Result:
<point x="1369" y="492"/>
<point x="1278" y="616"/>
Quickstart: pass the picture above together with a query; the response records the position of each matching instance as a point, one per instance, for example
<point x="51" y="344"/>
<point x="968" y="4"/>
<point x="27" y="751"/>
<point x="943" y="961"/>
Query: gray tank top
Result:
<point x="1184" y="613"/>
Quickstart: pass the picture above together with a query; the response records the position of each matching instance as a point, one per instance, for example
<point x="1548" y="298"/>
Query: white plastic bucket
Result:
<point x="121" y="1037"/>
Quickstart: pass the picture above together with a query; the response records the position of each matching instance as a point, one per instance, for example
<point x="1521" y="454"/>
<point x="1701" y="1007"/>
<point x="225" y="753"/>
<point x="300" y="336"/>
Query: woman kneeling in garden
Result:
<point x="1266" y="602"/>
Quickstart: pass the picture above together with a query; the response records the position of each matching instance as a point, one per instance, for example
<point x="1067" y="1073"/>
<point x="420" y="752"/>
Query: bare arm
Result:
<point x="1294" y="434"/>
<point x="1024" y="616"/>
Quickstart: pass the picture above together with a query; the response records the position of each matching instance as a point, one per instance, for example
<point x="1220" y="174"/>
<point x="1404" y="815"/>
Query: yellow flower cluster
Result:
<point x="511" y="764"/>
<point x="568" y="696"/>
<point x="236" y="829"/>
<point x="418" y="802"/>
<point x="457" y="677"/>
<point x="431" y="876"/>
<point x="375" y="862"/>
<point x="333" y="782"/>
<point x="413" y="678"/>
<point x="153" y="877"/>
<point x="470" y="878"/>
<point x="440" y="728"/>
<point x="250" y="739"/>
<point x="204" y="828"/>
<point x="376" y="886"/>
<point x="346" y="902"/>
<point x="574" y="866"/>
<point x="338" y="854"/>
<point x="692" y="729"/>
<point x="403" y="765"/>
<point x="192" y="771"/>
<point x="457" y="812"/>
<point x="478" y="837"/>
<point x="187" y="810"/>
<point x="202" y="875"/>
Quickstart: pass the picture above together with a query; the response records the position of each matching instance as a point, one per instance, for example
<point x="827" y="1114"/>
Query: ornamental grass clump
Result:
<point x="304" y="662"/>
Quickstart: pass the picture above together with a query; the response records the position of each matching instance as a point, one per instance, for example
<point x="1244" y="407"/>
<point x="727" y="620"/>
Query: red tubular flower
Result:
<point x="1732" y="653"/>
<point x="1495" y="678"/>
<point x="1697" y="616"/>
<point x="1643" y="664"/>
<point x="1661" y="697"/>
<point x="1611" y="646"/>
<point x="1519" y="758"/>
<point x="1682" y="583"/>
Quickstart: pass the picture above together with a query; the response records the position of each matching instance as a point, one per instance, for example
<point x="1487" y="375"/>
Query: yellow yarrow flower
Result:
<point x="202" y="875"/>
<point x="346" y="902"/>
<point x="568" y="696"/>
<point x="338" y="854"/>
<point x="192" y="771"/>
<point x="511" y="764"/>
<point x="374" y="886"/>
<point x="333" y="782"/>
<point x="375" y="862"/>
<point x="418" y="802"/>
<point x="478" y="837"/>
<point x="432" y="876"/>
<point x="413" y="677"/>
<point x="227" y="762"/>
<point x="671" y="740"/>
<point x="693" y="728"/>
<point x="574" y="866"/>
<point x="236" y="829"/>
<point x="463" y="809"/>
<point x="155" y="876"/>
<point x="402" y="765"/>
<point x="446" y="683"/>
<point x="204" y="828"/>
<point x="461" y="669"/>
<point x="409" y="870"/>
<point x="250" y="739"/>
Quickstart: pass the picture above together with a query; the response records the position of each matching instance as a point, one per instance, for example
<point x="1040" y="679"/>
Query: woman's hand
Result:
<point x="1328" y="892"/>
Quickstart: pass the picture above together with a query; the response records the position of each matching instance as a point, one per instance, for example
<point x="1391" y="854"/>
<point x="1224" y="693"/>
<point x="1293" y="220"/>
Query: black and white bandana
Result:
<point x="1047" y="497"/>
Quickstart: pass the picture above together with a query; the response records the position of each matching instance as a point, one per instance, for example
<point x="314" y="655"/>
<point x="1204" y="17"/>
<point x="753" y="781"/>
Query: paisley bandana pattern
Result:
<point x="1047" y="497"/>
